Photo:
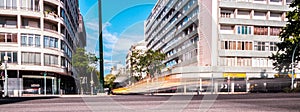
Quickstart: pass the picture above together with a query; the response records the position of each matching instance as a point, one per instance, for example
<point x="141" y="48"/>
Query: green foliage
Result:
<point x="290" y="36"/>
<point x="149" y="62"/>
<point x="109" y="80"/>
<point x="287" y="90"/>
<point x="81" y="61"/>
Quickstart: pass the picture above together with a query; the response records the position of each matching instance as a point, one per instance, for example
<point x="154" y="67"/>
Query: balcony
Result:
<point x="8" y="22"/>
<point x="50" y="10"/>
<point x="244" y="53"/>
<point x="50" y="26"/>
<point x="250" y="5"/>
<point x="234" y="21"/>
<point x="30" y="23"/>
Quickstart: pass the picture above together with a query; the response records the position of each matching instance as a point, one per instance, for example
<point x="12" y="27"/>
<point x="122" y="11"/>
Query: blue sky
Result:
<point x="123" y="25"/>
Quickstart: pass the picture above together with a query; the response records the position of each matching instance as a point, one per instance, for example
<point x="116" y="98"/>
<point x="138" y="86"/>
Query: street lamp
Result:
<point x="101" y="65"/>
<point x="293" y="78"/>
<point x="6" y="77"/>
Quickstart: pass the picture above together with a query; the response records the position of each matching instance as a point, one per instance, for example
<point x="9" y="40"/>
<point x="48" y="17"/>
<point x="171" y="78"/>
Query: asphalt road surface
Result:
<point x="139" y="103"/>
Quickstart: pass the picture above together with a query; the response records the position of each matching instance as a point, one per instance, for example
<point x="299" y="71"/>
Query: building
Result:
<point x="39" y="37"/>
<point x="139" y="47"/>
<point x="219" y="39"/>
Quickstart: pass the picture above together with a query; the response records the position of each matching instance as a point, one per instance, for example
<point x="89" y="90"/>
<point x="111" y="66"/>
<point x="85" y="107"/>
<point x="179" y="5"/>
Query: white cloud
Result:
<point x="93" y="26"/>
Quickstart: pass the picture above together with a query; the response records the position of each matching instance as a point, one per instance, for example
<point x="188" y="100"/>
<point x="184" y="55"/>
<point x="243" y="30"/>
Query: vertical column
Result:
<point x="58" y="11"/>
<point x="232" y="87"/>
<point x="5" y="4"/>
<point x="216" y="87"/>
<point x="19" y="38"/>
<point x="251" y="14"/>
<point x="268" y="15"/>
<point x="247" y="84"/>
<point x="200" y="88"/>
<point x="235" y="13"/>
<point x="18" y="5"/>
<point x="41" y="4"/>
<point x="184" y="87"/>
<point x="59" y="28"/>
<point x="59" y="61"/>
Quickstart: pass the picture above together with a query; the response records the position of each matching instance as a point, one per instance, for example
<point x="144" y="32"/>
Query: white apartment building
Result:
<point x="217" y="38"/>
<point x="39" y="37"/>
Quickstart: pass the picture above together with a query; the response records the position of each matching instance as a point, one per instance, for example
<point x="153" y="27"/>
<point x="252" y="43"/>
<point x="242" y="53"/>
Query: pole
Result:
<point x="292" y="84"/>
<point x="92" y="82"/>
<point x="18" y="82"/>
<point x="101" y="77"/>
<point x="6" y="77"/>
<point x="45" y="83"/>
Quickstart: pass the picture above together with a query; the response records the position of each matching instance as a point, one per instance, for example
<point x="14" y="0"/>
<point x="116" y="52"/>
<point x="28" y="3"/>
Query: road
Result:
<point x="163" y="103"/>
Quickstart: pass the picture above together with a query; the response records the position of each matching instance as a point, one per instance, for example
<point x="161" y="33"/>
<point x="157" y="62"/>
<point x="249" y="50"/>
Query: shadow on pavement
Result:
<point x="10" y="100"/>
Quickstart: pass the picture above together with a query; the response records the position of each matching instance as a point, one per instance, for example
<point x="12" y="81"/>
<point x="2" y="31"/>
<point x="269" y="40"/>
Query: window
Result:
<point x="11" y="23"/>
<point x="12" y="56"/>
<point x="50" y="60"/>
<point x="50" y="42"/>
<point x="66" y="49"/>
<point x="30" y="40"/>
<point x="31" y="58"/>
<point x="37" y="41"/>
<point x="244" y="45"/>
<point x="262" y="62"/>
<point x="8" y="37"/>
<point x="1" y="3"/>
<point x="275" y="0"/>
<point x="265" y="46"/>
<point x="288" y="2"/>
<point x="30" y="5"/>
<point x="229" y="45"/>
<point x="239" y="45"/>
<point x="275" y="31"/>
<point x="260" y="30"/>
<point x="225" y="14"/>
<point x="244" y="30"/>
<point x="273" y="46"/>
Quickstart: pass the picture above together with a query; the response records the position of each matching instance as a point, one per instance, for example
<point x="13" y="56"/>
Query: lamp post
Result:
<point x="101" y="65"/>
<point x="6" y="77"/>
<point x="292" y="83"/>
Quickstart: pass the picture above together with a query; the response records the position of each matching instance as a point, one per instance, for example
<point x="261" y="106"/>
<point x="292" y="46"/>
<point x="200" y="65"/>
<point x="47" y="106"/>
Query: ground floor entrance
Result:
<point x="39" y="82"/>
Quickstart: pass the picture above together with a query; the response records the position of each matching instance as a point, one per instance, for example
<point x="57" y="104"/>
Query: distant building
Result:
<point x="216" y="38"/>
<point x="140" y="46"/>
<point x="40" y="37"/>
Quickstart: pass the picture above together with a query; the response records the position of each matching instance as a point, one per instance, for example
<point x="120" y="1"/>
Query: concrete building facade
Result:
<point x="206" y="39"/>
<point x="40" y="37"/>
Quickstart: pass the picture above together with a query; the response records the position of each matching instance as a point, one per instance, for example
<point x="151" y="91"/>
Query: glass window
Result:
<point x="15" y="57"/>
<point x="8" y="4"/>
<point x="37" y="41"/>
<point x="31" y="58"/>
<point x="30" y="40"/>
<point x="23" y="40"/>
<point x="1" y="3"/>
<point x="2" y="37"/>
<point x="14" y="4"/>
<point x="46" y="41"/>
<point x="8" y="38"/>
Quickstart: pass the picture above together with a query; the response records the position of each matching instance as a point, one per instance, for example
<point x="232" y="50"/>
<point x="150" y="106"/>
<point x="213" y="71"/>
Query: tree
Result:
<point x="148" y="62"/>
<point x="290" y="37"/>
<point x="81" y="62"/>
<point x="109" y="80"/>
